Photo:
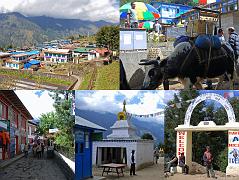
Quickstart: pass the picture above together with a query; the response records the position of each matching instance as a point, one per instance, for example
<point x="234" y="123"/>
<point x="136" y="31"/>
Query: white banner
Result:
<point x="233" y="148"/>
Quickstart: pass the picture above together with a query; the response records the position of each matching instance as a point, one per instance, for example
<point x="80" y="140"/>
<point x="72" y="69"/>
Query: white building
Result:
<point x="58" y="55"/>
<point x="118" y="146"/>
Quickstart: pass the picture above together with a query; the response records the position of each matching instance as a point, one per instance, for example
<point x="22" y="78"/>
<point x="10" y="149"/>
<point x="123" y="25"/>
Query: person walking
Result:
<point x="208" y="158"/>
<point x="233" y="41"/>
<point x="42" y="149"/>
<point x="182" y="163"/>
<point x="132" y="16"/>
<point x="156" y="155"/>
<point x="221" y="36"/>
<point x="132" y="161"/>
<point x="39" y="151"/>
<point x="26" y="148"/>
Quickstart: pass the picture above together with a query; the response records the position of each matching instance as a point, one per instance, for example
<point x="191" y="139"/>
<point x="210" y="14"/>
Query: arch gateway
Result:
<point x="184" y="132"/>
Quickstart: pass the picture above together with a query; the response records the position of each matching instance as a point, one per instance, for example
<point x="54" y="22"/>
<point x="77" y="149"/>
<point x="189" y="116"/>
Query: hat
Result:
<point x="231" y="28"/>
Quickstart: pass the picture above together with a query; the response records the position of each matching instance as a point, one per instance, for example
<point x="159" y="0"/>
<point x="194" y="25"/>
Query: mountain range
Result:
<point x="107" y="120"/>
<point x="19" y="30"/>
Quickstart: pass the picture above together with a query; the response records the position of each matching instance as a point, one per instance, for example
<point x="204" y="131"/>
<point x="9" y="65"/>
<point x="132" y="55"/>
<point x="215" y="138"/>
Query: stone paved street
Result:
<point x="33" y="169"/>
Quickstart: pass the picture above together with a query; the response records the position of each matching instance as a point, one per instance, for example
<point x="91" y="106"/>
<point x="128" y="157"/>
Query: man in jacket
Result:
<point x="182" y="163"/>
<point x="132" y="160"/>
<point x="234" y="41"/>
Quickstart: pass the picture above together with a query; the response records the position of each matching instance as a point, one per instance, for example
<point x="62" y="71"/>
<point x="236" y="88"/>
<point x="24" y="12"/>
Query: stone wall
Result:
<point x="228" y="20"/>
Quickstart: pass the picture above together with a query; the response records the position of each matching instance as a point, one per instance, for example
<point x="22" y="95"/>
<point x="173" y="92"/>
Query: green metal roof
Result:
<point x="83" y="50"/>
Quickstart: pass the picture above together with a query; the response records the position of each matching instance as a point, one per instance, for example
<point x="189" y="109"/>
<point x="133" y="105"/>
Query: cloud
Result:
<point x="34" y="103"/>
<point x="138" y="102"/>
<point x="91" y="10"/>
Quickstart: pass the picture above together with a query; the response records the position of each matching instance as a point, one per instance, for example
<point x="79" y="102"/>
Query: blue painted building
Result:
<point x="83" y="147"/>
<point x="169" y="11"/>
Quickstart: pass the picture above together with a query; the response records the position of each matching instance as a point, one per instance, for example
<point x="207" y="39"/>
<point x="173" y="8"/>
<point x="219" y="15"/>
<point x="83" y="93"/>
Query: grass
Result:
<point x="85" y="83"/>
<point x="108" y="77"/>
<point x="34" y="77"/>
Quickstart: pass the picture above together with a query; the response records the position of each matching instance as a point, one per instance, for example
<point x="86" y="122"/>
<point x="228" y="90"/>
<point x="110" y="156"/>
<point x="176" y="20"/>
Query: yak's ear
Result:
<point x="163" y="63"/>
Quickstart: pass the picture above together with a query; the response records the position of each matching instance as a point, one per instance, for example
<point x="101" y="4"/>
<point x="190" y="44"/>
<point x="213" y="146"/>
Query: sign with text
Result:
<point x="181" y="142"/>
<point x="233" y="148"/>
<point x="210" y="96"/>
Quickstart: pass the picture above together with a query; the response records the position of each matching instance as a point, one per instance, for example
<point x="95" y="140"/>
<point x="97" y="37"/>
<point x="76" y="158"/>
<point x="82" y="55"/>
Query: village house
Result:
<point x="3" y="57"/>
<point x="84" y="53"/>
<point x="58" y="55"/>
<point x="13" y="124"/>
<point x="17" y="59"/>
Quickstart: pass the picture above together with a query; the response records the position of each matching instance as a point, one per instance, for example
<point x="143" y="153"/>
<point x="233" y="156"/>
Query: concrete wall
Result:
<point x="145" y="153"/>
<point x="67" y="171"/>
<point x="134" y="72"/>
<point x="143" y="150"/>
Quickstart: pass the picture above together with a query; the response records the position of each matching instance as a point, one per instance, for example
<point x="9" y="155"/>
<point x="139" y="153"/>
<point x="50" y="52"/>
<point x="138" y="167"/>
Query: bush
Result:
<point x="222" y="160"/>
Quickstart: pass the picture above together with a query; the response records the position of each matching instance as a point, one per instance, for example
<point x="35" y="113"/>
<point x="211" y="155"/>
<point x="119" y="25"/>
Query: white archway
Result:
<point x="184" y="132"/>
<point x="212" y="96"/>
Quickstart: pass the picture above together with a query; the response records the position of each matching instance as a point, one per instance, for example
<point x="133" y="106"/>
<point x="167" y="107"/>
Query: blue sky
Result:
<point x="138" y="102"/>
<point x="92" y="10"/>
<point x="37" y="102"/>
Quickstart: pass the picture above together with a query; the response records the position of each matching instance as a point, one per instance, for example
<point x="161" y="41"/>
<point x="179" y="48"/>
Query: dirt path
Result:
<point x="79" y="81"/>
<point x="198" y="177"/>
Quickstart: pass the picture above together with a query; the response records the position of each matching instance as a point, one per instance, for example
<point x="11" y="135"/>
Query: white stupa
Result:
<point x="120" y="143"/>
<point x="123" y="128"/>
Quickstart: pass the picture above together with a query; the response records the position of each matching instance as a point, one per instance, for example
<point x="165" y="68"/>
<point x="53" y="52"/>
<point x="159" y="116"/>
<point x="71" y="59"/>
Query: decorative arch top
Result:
<point x="210" y="96"/>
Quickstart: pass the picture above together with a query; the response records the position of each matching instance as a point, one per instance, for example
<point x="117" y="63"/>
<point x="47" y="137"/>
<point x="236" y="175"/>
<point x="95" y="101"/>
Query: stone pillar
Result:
<point x="233" y="153"/>
<point x="184" y="144"/>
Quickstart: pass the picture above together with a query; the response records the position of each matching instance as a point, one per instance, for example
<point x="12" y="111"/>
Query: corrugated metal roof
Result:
<point x="83" y="49"/>
<point x="85" y="123"/>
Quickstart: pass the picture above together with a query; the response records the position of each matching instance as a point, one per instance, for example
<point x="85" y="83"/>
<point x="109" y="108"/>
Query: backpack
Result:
<point x="207" y="41"/>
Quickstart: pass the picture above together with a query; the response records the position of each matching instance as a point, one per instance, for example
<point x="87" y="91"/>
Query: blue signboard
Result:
<point x="169" y="11"/>
<point x="83" y="153"/>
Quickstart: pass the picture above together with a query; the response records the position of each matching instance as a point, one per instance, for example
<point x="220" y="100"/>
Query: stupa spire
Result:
<point x="124" y="108"/>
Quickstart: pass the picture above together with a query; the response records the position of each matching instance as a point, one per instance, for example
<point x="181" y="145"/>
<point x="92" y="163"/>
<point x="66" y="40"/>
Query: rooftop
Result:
<point x="83" y="49"/>
<point x="79" y="121"/>
<point x="13" y="99"/>
<point x="58" y="51"/>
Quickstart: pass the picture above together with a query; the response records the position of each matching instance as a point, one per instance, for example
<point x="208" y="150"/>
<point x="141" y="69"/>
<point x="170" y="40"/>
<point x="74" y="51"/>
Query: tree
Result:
<point x="147" y="136"/>
<point x="61" y="118"/>
<point x="47" y="121"/>
<point x="108" y="36"/>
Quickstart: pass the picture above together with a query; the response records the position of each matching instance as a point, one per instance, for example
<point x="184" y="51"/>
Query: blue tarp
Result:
<point x="30" y="63"/>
